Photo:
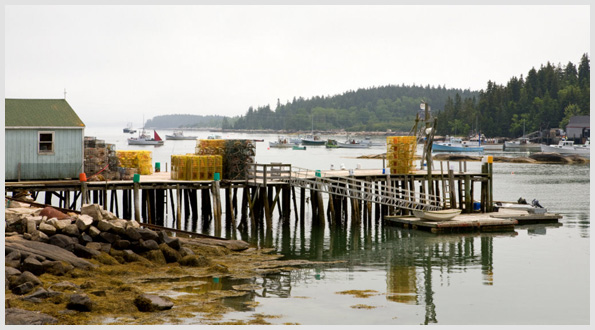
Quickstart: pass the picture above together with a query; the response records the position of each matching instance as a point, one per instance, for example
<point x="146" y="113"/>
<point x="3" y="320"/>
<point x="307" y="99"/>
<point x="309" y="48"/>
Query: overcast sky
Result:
<point x="120" y="63"/>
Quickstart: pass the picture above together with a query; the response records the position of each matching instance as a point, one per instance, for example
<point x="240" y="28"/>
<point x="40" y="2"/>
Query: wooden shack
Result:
<point x="43" y="140"/>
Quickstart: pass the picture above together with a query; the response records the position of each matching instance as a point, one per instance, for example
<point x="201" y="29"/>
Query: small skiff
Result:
<point x="440" y="215"/>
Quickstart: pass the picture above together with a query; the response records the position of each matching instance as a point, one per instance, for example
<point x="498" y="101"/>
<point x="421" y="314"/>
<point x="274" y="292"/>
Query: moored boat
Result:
<point x="313" y="140"/>
<point x="454" y="144"/>
<point x="521" y="144"/>
<point x="146" y="139"/>
<point x="568" y="148"/>
<point x="281" y="143"/>
<point x="129" y="129"/>
<point x="439" y="215"/>
<point x="179" y="135"/>
<point x="299" y="147"/>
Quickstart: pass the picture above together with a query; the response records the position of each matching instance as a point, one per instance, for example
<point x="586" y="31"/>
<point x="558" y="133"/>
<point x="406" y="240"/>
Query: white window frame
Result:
<point x="39" y="142"/>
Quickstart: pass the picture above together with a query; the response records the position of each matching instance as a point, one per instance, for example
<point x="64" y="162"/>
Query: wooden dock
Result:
<point x="156" y="198"/>
<point x="502" y="221"/>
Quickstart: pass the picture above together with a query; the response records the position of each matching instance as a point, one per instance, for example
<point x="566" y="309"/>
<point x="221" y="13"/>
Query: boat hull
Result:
<point x="144" y="142"/>
<point x="313" y="142"/>
<point x="440" y="215"/>
<point x="566" y="150"/>
<point x="445" y="148"/>
<point x="171" y="137"/>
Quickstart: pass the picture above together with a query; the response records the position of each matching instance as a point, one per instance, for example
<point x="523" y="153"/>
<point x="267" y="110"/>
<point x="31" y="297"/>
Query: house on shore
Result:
<point x="579" y="128"/>
<point x="43" y="140"/>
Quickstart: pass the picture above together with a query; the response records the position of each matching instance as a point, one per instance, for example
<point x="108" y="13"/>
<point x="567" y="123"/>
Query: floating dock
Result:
<point x="503" y="220"/>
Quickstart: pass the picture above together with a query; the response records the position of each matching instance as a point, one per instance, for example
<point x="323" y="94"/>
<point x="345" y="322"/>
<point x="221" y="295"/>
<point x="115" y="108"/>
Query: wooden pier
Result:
<point x="275" y="187"/>
<point x="502" y="220"/>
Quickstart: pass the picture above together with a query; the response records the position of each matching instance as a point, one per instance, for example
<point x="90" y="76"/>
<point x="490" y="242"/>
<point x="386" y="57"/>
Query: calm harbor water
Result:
<point x="538" y="274"/>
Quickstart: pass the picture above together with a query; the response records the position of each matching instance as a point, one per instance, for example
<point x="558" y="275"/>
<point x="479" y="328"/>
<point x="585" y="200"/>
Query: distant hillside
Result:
<point x="370" y="109"/>
<point x="184" y="121"/>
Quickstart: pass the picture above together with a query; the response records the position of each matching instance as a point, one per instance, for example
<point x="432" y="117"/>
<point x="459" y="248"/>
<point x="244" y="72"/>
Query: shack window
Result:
<point x="46" y="142"/>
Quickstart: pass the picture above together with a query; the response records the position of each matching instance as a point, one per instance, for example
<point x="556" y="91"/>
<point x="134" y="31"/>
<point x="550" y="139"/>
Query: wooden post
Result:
<point x="137" y="212"/>
<point x="217" y="207"/>
<point x="178" y="207"/>
<point x="302" y="204"/>
<point x="468" y="194"/>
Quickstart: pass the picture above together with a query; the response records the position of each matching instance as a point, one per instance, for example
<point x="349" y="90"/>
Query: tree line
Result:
<point x="366" y="109"/>
<point x="546" y="98"/>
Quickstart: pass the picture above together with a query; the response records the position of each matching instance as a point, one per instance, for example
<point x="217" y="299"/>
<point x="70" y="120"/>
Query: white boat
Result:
<point x="521" y="144"/>
<point x="214" y="137"/>
<point x="373" y="143"/>
<point x="179" y="135"/>
<point x="129" y="129"/>
<point x="281" y="142"/>
<point x="348" y="144"/>
<point x="439" y="215"/>
<point x="486" y="144"/>
<point x="531" y="208"/>
<point x="568" y="148"/>
<point x="145" y="139"/>
<point x="454" y="144"/>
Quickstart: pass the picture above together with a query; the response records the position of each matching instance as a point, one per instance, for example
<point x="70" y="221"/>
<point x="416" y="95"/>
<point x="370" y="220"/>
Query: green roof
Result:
<point x="40" y="113"/>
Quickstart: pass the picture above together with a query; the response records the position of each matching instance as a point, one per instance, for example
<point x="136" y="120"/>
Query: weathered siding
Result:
<point x="21" y="148"/>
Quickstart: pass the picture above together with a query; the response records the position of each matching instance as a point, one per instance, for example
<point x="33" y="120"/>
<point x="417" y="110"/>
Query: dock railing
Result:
<point x="261" y="174"/>
<point x="350" y="187"/>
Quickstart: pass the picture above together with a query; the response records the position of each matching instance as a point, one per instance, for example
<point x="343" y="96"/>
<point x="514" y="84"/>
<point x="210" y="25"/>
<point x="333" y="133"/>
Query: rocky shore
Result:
<point x="93" y="268"/>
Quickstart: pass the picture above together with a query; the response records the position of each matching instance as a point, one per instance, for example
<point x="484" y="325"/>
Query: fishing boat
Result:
<point x="281" y="143"/>
<point x="373" y="143"/>
<point x="521" y="144"/>
<point x="439" y="215"/>
<point x="299" y="147"/>
<point x="214" y="137"/>
<point x="348" y="144"/>
<point x="487" y="144"/>
<point x="568" y="148"/>
<point x="179" y="135"/>
<point x="129" y="129"/>
<point x="313" y="140"/>
<point x="455" y="145"/>
<point x="146" y="139"/>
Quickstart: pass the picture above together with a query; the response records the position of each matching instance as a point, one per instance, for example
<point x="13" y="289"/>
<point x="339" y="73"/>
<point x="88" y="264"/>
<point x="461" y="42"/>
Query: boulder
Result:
<point x="59" y="224"/>
<point x="155" y="256"/>
<point x="71" y="230"/>
<point x="132" y="233"/>
<point x="108" y="215"/>
<point x="104" y="225"/>
<point x="130" y="256"/>
<point x="93" y="210"/>
<point x="13" y="259"/>
<point x="51" y="212"/>
<point x="85" y="238"/>
<point x="62" y="241"/>
<point x="84" y="252"/>
<point x="17" y="316"/>
<point x="11" y="271"/>
<point x="38" y="295"/>
<point x="93" y="231"/>
<point x="83" y="222"/>
<point x="109" y="237"/>
<point x="47" y="228"/>
<point x="32" y="265"/>
<point x="51" y="252"/>
<point x="149" y="244"/>
<point x="132" y="223"/>
<point x="195" y="261"/>
<point x="58" y="268"/>
<point x="22" y="289"/>
<point x="31" y="225"/>
<point x="184" y="251"/>
<point x="118" y="226"/>
<point x="39" y="236"/>
<point x="152" y="303"/>
<point x="170" y="254"/>
<point x="173" y="242"/>
<point x="80" y="302"/>
<point x="148" y="234"/>
<point x="121" y="244"/>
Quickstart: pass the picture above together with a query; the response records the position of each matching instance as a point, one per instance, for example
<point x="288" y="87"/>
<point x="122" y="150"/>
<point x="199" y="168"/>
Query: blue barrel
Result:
<point x="136" y="178"/>
<point x="217" y="176"/>
<point x="476" y="206"/>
